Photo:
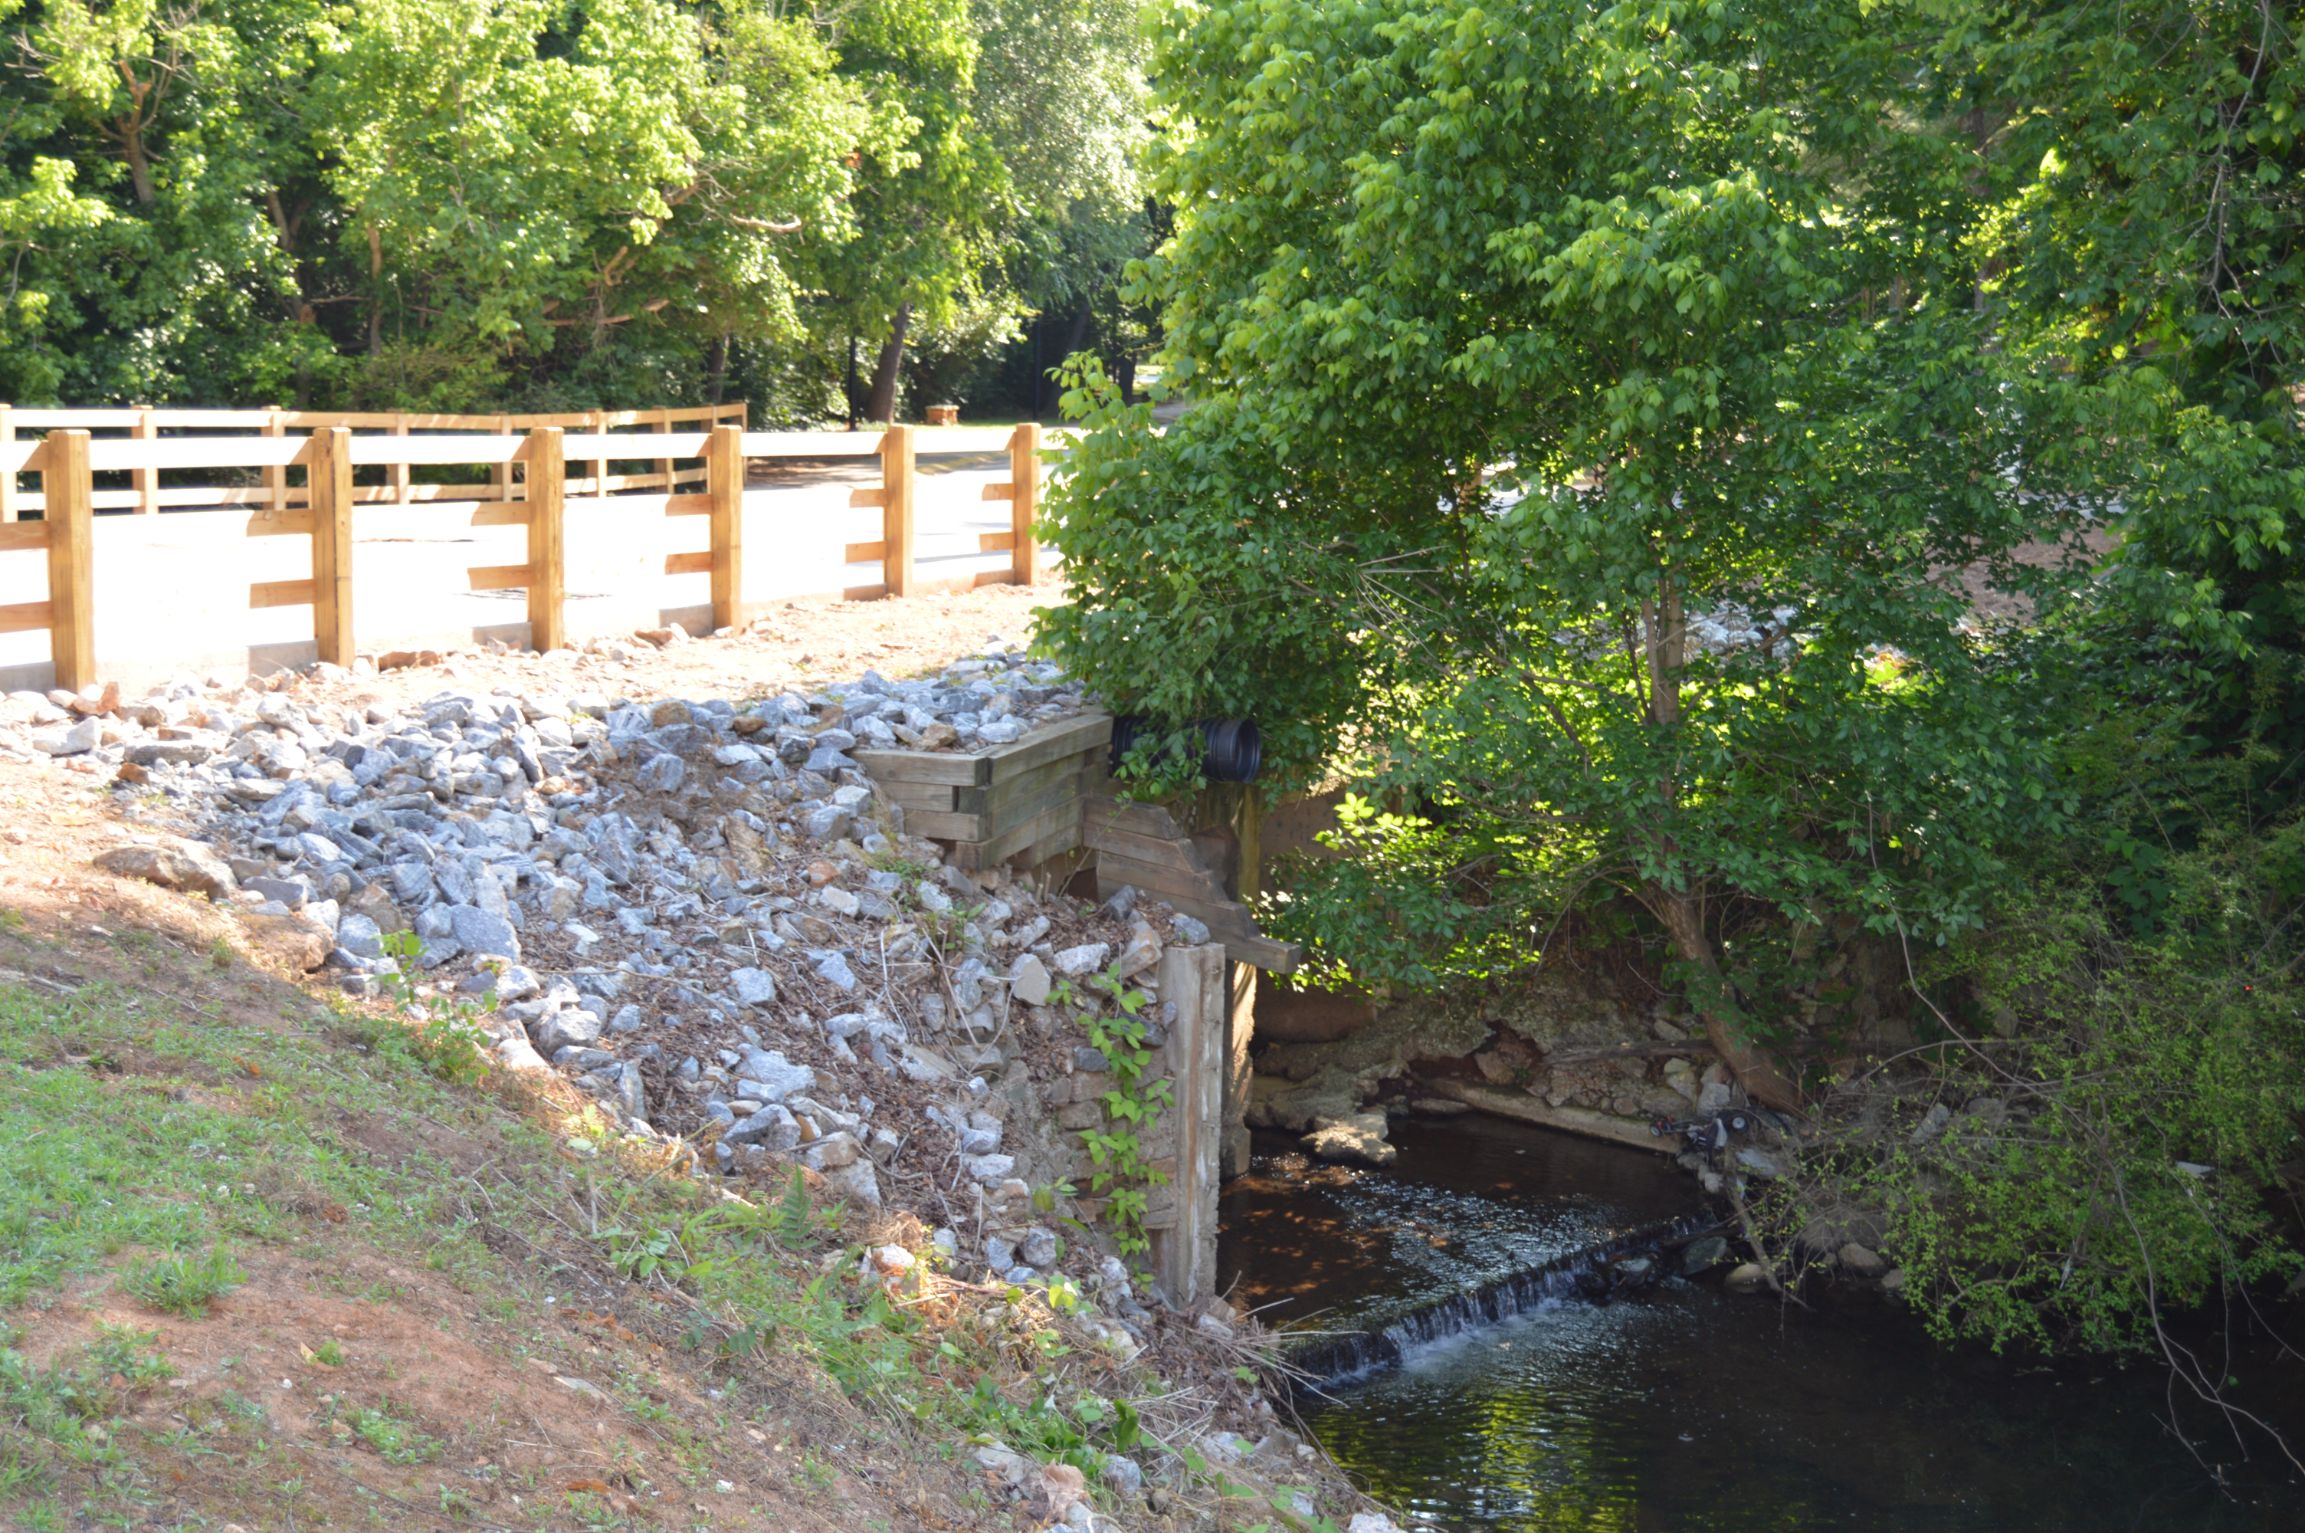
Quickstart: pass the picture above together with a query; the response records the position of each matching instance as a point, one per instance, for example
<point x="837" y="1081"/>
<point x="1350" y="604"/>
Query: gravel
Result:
<point x="786" y="974"/>
<point x="695" y="909"/>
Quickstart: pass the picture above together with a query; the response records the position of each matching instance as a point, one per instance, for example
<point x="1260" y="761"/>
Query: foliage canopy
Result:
<point x="424" y="204"/>
<point x="1741" y="462"/>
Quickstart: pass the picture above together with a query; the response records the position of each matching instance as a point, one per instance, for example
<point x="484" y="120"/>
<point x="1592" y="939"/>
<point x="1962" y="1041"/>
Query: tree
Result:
<point x="130" y="138"/>
<point x="526" y="179"/>
<point x="925" y="206"/>
<point x="1054" y="205"/>
<point x="1809" y="476"/>
<point x="1060" y="90"/>
<point x="2149" y="235"/>
<point x="1592" y="418"/>
<point x="423" y="204"/>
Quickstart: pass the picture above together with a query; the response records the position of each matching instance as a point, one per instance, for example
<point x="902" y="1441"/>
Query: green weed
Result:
<point x="63" y="1415"/>
<point x="395" y="1440"/>
<point x="444" y="1034"/>
<point x="1132" y="1107"/>
<point x="183" y="1285"/>
<point x="893" y="861"/>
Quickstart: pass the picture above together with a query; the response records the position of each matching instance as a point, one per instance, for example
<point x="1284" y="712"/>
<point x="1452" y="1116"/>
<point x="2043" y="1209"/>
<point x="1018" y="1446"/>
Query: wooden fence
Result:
<point x="529" y="485"/>
<point x="145" y="494"/>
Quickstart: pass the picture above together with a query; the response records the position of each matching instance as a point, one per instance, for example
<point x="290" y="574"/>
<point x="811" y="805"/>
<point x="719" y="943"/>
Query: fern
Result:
<point x="793" y="1220"/>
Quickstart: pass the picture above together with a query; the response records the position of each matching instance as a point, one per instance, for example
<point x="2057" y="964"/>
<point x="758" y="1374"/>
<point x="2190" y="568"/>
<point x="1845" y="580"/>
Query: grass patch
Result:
<point x="179" y="1143"/>
<point x="395" y="1440"/>
<point x="249" y="1158"/>
<point x="183" y="1285"/>
<point x="763" y="1274"/>
<point x="62" y="1417"/>
<point x="174" y="1146"/>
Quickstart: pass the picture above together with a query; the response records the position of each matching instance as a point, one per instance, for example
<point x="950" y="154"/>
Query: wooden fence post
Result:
<point x="500" y="474"/>
<point x="896" y="464"/>
<point x="71" y="516"/>
<point x="328" y="471"/>
<point x="664" y="465"/>
<point x="1024" y="504"/>
<point x="146" y="480"/>
<point x="276" y="478"/>
<point x="547" y="540"/>
<point x="397" y="474"/>
<point x="1184" y="1238"/>
<point x="600" y="465"/>
<point x="724" y="485"/>
<point x="7" y="480"/>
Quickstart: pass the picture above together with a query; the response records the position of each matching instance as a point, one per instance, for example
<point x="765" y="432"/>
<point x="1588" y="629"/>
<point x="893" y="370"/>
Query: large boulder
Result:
<point x="772" y="1128"/>
<point x="483" y="932"/>
<point x="1332" y="1093"/>
<point x="765" y="1075"/>
<point x="176" y="865"/>
<point x="297" y="941"/>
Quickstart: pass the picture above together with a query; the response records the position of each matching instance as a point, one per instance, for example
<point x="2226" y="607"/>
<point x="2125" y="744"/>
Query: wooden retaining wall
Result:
<point x="1050" y="794"/>
<point x="1020" y="801"/>
<point x="1049" y="798"/>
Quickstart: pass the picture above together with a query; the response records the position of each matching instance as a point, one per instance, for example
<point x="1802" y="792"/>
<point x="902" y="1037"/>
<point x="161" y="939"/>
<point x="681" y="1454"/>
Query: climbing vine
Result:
<point x="1122" y="1172"/>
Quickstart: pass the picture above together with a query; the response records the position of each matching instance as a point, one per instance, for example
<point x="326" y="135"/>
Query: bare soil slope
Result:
<point x="425" y="1328"/>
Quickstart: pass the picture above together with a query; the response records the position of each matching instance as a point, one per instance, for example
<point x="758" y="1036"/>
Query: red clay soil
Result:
<point x="582" y="1412"/>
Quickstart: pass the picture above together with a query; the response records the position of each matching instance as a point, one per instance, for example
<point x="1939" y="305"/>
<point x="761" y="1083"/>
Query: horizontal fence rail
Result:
<point x="307" y="465"/>
<point x="140" y="455"/>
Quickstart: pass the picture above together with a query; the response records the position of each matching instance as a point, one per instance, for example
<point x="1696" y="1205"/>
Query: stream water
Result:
<point x="1690" y="1408"/>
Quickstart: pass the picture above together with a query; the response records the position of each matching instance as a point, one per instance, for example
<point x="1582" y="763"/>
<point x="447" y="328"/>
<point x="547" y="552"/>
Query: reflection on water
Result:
<point x="1692" y="1409"/>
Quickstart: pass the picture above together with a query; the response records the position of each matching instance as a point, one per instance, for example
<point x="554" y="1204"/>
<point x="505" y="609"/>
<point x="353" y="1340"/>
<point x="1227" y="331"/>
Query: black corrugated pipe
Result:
<point x="1235" y="750"/>
<point x="1232" y="750"/>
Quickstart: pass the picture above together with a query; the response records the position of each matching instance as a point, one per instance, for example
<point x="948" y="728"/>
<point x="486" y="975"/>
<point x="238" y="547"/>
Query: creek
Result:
<point x="1688" y="1407"/>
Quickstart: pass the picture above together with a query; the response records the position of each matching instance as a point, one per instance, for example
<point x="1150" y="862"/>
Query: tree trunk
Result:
<point x="300" y="309"/>
<point x="139" y="167"/>
<point x="716" y="369"/>
<point x="1667" y="637"/>
<point x="1682" y="918"/>
<point x="880" y="404"/>
<point x="849" y="393"/>
<point x="376" y="302"/>
<point x="1664" y="629"/>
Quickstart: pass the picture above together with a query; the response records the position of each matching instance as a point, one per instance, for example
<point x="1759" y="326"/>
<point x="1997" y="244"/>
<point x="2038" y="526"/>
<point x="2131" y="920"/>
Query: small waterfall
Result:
<point x="1588" y="1273"/>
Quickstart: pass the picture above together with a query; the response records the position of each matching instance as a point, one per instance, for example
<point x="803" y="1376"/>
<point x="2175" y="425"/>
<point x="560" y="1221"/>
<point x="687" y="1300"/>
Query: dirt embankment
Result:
<point x="418" y="1321"/>
<point x="279" y="1255"/>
